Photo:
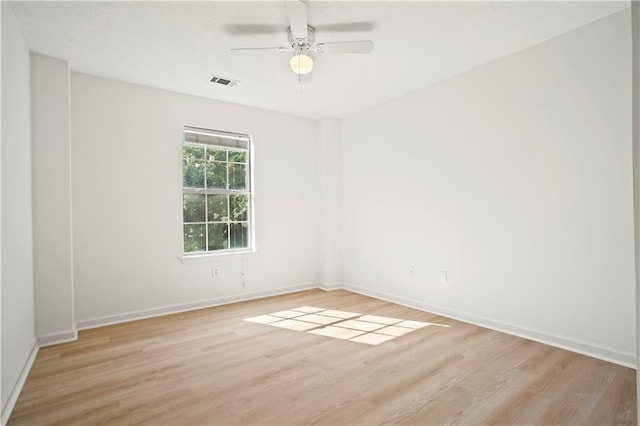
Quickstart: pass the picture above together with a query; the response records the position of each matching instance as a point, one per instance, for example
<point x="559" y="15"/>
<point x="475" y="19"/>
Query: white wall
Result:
<point x="330" y="259"/>
<point x="51" y="199"/>
<point x="515" y="178"/>
<point x="635" y="31"/>
<point x="127" y="201"/>
<point x="17" y="260"/>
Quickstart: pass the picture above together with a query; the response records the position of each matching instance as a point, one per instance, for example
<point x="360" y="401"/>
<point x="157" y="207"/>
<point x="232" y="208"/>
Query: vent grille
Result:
<point x="224" y="81"/>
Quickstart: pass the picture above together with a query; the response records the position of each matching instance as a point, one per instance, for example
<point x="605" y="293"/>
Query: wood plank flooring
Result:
<point x="211" y="367"/>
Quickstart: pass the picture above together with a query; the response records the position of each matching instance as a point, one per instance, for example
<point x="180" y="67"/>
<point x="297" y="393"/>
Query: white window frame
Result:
<point x="196" y="136"/>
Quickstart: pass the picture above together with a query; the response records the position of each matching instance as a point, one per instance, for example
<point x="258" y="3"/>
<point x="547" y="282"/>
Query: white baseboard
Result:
<point x="71" y="335"/>
<point x="590" y="349"/>
<point x="190" y="306"/>
<point x="615" y="356"/>
<point x="330" y="286"/>
<point x="14" y="392"/>
<point x="55" y="338"/>
<point x="608" y="354"/>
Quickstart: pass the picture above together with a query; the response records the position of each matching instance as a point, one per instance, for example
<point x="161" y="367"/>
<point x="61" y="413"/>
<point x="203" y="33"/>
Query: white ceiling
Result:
<point x="177" y="45"/>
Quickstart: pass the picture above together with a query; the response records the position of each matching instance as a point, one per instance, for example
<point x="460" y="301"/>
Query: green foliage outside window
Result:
<point x="215" y="221"/>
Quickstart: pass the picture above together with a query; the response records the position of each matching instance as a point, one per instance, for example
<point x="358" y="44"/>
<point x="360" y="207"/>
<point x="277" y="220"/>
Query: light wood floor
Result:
<point x="211" y="367"/>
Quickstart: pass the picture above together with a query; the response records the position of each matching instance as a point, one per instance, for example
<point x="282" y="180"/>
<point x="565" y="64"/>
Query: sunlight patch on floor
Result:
<point x="352" y="326"/>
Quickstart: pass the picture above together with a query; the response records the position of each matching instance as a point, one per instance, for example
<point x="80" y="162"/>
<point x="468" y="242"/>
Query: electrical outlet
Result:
<point x="443" y="277"/>
<point x="412" y="271"/>
<point x="215" y="271"/>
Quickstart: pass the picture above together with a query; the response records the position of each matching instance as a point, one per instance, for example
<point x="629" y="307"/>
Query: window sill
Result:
<point x="205" y="257"/>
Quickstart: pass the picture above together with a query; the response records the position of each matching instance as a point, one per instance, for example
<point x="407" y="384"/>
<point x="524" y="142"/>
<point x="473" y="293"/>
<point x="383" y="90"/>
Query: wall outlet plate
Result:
<point x="215" y="271"/>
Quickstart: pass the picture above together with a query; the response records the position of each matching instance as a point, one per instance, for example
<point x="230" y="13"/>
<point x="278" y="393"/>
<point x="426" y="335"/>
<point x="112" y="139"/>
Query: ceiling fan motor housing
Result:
<point x="302" y="44"/>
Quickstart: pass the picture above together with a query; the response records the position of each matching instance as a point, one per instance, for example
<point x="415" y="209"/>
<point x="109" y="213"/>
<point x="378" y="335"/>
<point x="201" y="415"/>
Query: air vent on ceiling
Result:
<point x="223" y="81"/>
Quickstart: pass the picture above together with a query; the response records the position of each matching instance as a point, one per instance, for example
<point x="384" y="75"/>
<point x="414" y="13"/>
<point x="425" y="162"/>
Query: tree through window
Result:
<point x="216" y="191"/>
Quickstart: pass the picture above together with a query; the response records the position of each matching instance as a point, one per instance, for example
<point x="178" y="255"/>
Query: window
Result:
<point x="216" y="191"/>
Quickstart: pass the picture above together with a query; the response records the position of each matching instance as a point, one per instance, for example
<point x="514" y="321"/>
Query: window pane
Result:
<point x="193" y="173"/>
<point x="239" y="235"/>
<point x="217" y="175"/>
<point x="237" y="157"/>
<point x="217" y="208"/>
<point x="193" y="208"/>
<point x="218" y="236"/>
<point x="190" y="152"/>
<point x="238" y="205"/>
<point x="237" y="176"/>
<point x="194" y="238"/>
<point x="216" y="192"/>
<point x="214" y="154"/>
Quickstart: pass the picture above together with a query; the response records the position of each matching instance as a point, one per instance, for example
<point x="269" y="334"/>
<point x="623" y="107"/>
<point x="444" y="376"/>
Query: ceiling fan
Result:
<point x="301" y="37"/>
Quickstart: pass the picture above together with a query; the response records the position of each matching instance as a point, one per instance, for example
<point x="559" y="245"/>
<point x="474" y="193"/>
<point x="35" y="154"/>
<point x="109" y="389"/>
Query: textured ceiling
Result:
<point x="177" y="45"/>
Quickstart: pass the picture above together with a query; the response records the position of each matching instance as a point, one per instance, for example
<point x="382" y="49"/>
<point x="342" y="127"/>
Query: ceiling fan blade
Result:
<point x="259" y="50"/>
<point x="361" y="46"/>
<point x="297" y="12"/>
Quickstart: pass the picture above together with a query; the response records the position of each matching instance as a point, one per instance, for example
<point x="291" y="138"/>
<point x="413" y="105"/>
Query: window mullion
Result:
<point x="206" y="204"/>
<point x="229" y="222"/>
<point x="228" y="207"/>
<point x="215" y="191"/>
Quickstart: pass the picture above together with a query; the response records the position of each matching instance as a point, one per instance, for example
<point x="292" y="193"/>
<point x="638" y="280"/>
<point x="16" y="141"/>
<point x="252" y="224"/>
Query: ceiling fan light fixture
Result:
<point x="301" y="64"/>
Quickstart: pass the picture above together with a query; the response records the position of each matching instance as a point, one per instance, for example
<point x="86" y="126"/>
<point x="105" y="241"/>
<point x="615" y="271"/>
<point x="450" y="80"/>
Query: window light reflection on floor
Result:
<point x="356" y="327"/>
